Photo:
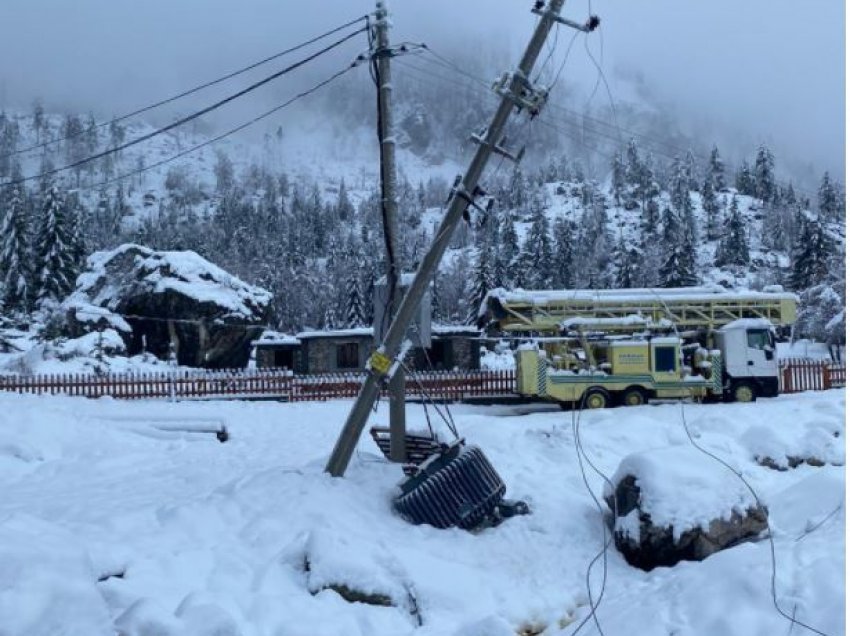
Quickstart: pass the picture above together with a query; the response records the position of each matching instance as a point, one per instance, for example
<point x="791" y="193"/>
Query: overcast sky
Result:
<point x="761" y="70"/>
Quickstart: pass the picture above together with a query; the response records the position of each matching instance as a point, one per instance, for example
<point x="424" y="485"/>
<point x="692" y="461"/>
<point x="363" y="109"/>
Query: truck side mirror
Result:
<point x="768" y="353"/>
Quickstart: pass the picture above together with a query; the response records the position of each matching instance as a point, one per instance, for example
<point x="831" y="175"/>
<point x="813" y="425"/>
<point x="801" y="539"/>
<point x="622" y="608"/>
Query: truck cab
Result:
<point x="751" y="367"/>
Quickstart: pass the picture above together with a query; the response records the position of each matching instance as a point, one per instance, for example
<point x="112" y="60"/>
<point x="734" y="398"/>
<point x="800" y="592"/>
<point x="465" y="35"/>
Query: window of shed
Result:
<point x="665" y="359"/>
<point x="347" y="356"/>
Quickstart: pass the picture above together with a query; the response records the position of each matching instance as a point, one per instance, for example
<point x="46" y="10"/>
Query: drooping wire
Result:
<point x="607" y="535"/>
<point x="188" y="92"/>
<point x="223" y="135"/>
<point x="188" y="118"/>
<point x="792" y="619"/>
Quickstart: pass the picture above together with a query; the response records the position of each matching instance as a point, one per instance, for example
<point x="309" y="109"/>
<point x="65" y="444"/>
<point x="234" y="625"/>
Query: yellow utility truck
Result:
<point x="609" y="347"/>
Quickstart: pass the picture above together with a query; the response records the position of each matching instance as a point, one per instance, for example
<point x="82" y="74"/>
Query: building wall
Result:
<point x="320" y="354"/>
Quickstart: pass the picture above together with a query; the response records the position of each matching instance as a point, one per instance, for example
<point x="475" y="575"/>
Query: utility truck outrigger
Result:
<point x="609" y="347"/>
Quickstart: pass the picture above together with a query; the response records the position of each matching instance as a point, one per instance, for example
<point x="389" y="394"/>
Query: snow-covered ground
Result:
<point x="194" y="537"/>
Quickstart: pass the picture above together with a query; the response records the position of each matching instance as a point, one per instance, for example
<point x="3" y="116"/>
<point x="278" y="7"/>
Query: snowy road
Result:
<point x="241" y="538"/>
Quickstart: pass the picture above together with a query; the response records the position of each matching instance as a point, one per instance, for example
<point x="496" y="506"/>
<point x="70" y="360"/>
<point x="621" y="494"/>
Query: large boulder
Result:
<point x="678" y="504"/>
<point x="164" y="302"/>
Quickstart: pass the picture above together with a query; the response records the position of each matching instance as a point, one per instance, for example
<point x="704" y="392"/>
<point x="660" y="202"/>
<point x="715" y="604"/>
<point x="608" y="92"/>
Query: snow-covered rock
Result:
<point x="157" y="300"/>
<point x="677" y="504"/>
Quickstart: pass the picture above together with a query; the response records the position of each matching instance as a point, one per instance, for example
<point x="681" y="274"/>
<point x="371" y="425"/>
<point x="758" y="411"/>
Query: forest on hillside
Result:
<point x="636" y="219"/>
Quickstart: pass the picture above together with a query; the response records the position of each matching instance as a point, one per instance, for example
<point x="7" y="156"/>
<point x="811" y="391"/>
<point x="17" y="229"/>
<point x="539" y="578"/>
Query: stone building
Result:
<point x="346" y="350"/>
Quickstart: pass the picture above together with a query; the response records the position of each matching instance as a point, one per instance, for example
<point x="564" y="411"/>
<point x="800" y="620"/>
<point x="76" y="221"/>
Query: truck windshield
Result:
<point x="759" y="339"/>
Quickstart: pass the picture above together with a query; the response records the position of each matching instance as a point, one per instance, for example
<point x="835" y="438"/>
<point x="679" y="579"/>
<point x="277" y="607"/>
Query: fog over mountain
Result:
<point x="763" y="71"/>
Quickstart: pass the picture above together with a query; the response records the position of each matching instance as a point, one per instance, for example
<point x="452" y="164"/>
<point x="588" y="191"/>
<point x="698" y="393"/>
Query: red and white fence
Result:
<point x="258" y="384"/>
<point x="275" y="384"/>
<point x="797" y="375"/>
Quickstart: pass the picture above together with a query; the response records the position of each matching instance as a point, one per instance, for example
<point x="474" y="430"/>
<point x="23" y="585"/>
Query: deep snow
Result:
<point x="213" y="538"/>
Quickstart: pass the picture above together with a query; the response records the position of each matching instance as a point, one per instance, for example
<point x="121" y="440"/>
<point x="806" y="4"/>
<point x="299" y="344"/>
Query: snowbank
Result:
<point x="249" y="536"/>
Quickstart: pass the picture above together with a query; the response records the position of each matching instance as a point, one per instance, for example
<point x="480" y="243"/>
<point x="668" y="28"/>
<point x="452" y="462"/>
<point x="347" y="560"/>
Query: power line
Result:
<point x="662" y="148"/>
<point x="190" y="91"/>
<point x="228" y="133"/>
<point x="191" y="117"/>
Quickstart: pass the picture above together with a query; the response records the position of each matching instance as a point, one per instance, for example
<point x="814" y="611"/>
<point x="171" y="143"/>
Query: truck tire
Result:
<point x="743" y="392"/>
<point x="596" y="398"/>
<point x="634" y="396"/>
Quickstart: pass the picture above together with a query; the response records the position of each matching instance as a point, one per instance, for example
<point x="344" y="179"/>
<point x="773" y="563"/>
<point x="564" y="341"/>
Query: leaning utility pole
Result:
<point x="517" y="92"/>
<point x="389" y="207"/>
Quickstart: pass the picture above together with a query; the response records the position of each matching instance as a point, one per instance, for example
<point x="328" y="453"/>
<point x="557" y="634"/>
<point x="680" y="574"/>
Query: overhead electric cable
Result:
<point x="230" y="132"/>
<point x="188" y="118"/>
<point x="190" y="91"/>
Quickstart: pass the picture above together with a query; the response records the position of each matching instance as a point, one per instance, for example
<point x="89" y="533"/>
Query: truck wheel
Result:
<point x="634" y="396"/>
<point x="596" y="398"/>
<point x="744" y="392"/>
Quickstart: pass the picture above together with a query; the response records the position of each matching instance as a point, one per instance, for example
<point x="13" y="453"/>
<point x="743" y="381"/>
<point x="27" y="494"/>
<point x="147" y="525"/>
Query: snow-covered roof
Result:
<point x="444" y="330"/>
<point x="405" y="279"/>
<point x="714" y="292"/>
<point x="270" y="337"/>
<point x="747" y="323"/>
<point x="335" y="333"/>
<point x="623" y="321"/>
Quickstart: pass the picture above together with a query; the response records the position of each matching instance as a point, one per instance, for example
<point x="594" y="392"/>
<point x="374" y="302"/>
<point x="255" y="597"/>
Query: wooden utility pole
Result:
<point x="516" y="92"/>
<point x="389" y="213"/>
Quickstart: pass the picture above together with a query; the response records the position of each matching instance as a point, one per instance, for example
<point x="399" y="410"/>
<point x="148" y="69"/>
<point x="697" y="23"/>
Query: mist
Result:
<point x="762" y="71"/>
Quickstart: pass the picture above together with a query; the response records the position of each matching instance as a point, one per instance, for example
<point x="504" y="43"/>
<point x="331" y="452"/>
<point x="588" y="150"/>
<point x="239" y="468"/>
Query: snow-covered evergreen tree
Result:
<point x="53" y="250"/>
<point x="734" y="248"/>
<point x="564" y="245"/>
<point x="744" y="182"/>
<point x="711" y="209"/>
<point x="15" y="255"/>
<point x="481" y="283"/>
<point x="813" y="256"/>
<point x="537" y="251"/>
<point x="764" y="181"/>
<point x="354" y="315"/>
<point x="716" y="170"/>
<point x="626" y="262"/>
<point x="829" y="203"/>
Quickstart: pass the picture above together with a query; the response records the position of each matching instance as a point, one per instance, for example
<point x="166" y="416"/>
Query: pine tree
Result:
<point x="481" y="282"/>
<point x="711" y="209"/>
<point x="509" y="249"/>
<point x="744" y="182"/>
<point x="679" y="185"/>
<point x="537" y="251"/>
<point x="690" y="167"/>
<point x="716" y="170"/>
<point x="634" y="166"/>
<point x="618" y="178"/>
<point x="626" y="262"/>
<point x="812" y="257"/>
<point x="564" y="245"/>
<point x="354" y="306"/>
<point x="764" y="182"/>
<point x="14" y="255"/>
<point x="734" y="248"/>
<point x="54" y="258"/>
<point x="828" y="200"/>
<point x="329" y="321"/>
<point x="344" y="208"/>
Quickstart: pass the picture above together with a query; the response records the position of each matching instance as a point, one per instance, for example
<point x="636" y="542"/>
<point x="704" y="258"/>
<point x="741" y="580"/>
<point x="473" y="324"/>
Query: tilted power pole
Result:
<point x="389" y="205"/>
<point x="516" y="92"/>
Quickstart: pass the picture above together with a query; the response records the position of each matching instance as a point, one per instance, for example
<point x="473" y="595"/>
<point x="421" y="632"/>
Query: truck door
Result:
<point x="761" y="354"/>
